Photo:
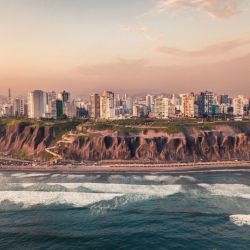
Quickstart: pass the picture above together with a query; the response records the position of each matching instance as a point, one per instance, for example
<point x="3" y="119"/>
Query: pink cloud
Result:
<point x="211" y="50"/>
<point x="144" y="31"/>
<point x="221" y="9"/>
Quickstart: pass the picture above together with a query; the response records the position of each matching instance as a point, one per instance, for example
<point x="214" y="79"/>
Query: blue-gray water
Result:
<point x="190" y="210"/>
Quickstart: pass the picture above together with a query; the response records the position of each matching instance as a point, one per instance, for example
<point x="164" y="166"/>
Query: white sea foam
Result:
<point x="73" y="176"/>
<point x="240" y="219"/>
<point x="118" y="202"/>
<point x="160" y="178"/>
<point x="56" y="175"/>
<point x="229" y="190"/>
<point x="82" y="194"/>
<point x="161" y="190"/>
<point x="187" y="177"/>
<point x="125" y="179"/>
<point x="28" y="175"/>
<point x="169" y="179"/>
<point x="31" y="198"/>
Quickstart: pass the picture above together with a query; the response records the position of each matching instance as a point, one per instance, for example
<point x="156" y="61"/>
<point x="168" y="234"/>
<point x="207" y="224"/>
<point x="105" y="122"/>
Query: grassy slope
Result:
<point x="170" y="126"/>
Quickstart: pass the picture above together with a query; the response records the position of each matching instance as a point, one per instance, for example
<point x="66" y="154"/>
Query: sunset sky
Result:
<point x="125" y="45"/>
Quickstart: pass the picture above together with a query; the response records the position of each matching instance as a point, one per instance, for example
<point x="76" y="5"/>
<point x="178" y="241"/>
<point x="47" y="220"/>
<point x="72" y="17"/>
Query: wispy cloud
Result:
<point x="221" y="9"/>
<point x="143" y="30"/>
<point x="211" y="50"/>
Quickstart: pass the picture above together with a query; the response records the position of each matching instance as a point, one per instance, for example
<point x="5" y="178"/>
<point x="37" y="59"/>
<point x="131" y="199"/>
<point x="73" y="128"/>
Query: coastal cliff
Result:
<point x="221" y="143"/>
<point x="24" y="138"/>
<point x="29" y="139"/>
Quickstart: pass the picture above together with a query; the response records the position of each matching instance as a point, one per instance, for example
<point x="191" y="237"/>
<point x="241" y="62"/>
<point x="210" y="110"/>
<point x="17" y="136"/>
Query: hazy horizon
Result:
<point x="85" y="46"/>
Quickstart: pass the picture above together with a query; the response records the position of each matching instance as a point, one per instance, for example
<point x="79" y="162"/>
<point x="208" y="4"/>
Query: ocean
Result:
<point x="182" y="210"/>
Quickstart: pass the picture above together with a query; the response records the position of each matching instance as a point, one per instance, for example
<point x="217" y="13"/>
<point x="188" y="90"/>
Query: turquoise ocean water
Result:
<point x="188" y="210"/>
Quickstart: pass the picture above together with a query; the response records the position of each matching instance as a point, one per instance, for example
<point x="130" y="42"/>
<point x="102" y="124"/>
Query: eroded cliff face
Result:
<point x="22" y="137"/>
<point x="223" y="143"/>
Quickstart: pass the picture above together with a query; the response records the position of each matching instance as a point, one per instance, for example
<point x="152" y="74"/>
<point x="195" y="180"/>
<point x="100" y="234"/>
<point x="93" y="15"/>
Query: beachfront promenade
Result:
<point x="8" y="164"/>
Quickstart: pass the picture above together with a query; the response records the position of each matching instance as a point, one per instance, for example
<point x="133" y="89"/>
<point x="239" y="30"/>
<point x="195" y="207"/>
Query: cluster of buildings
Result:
<point x="40" y="104"/>
<point x="190" y="105"/>
<point x="108" y="105"/>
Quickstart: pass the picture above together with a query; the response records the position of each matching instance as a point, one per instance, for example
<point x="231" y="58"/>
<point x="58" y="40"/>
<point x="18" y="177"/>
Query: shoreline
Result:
<point x="128" y="168"/>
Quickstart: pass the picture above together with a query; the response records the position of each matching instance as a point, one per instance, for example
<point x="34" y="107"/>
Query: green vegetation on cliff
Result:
<point x="170" y="126"/>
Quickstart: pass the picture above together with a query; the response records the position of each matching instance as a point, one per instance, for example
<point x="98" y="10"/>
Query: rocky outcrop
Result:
<point x="223" y="143"/>
<point x="23" y="137"/>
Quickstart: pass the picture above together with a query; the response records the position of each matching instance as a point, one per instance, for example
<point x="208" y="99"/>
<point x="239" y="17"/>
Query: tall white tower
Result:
<point x="36" y="104"/>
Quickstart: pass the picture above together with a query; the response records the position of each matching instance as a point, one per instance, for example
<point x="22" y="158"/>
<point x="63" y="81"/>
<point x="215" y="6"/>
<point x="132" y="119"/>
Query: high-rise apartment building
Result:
<point x="51" y="105"/>
<point x="69" y="109"/>
<point x="18" y="107"/>
<point x="128" y="103"/>
<point x="6" y="110"/>
<point x="205" y="103"/>
<point x="239" y="103"/>
<point x="224" y="99"/>
<point x="176" y="101"/>
<point x="187" y="105"/>
<point x="150" y="102"/>
<point x="107" y="105"/>
<point x="36" y="104"/>
<point x="161" y="107"/>
<point x="95" y="106"/>
<point x="59" y="109"/>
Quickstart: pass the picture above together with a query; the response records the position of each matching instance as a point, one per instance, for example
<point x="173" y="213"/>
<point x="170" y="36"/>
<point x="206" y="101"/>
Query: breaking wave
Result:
<point x="240" y="219"/>
<point x="104" y="192"/>
<point x="28" y="199"/>
<point x="229" y="190"/>
<point x="118" y="202"/>
<point x="101" y="196"/>
<point x="160" y="190"/>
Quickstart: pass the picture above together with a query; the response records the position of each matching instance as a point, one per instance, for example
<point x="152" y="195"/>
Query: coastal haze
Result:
<point x="125" y="124"/>
<point x="127" y="46"/>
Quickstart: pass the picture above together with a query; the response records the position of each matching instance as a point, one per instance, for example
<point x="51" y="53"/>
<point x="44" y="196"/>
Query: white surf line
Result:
<point x="32" y="198"/>
<point x="24" y="175"/>
<point x="161" y="190"/>
<point x="228" y="190"/>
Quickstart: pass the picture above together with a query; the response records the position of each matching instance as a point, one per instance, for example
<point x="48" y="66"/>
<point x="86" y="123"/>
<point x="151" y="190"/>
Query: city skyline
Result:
<point x="135" y="46"/>
<point x="110" y="105"/>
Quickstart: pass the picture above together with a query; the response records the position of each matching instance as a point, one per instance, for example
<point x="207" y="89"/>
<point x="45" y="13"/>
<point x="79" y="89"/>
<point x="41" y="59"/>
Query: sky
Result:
<point x="133" y="46"/>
